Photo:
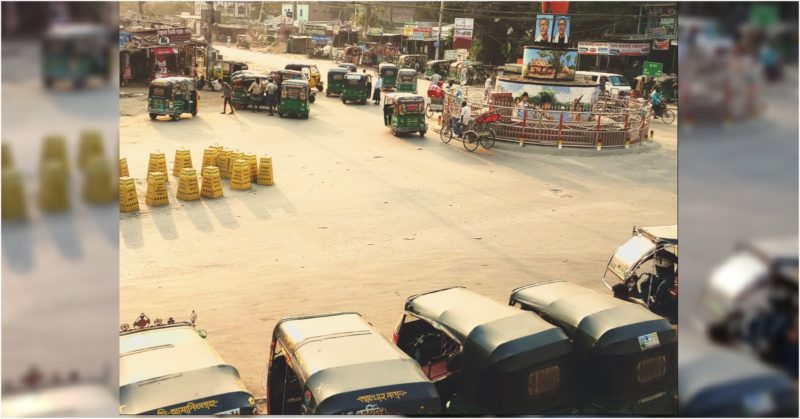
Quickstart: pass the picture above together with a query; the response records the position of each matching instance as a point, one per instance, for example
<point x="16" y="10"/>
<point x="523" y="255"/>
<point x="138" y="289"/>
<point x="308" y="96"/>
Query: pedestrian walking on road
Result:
<point x="388" y="110"/>
<point x="255" y="94"/>
<point x="376" y="93"/>
<point x="272" y="89"/>
<point x="227" y="93"/>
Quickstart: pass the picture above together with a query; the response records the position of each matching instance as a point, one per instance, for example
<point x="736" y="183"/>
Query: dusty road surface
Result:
<point x="358" y="220"/>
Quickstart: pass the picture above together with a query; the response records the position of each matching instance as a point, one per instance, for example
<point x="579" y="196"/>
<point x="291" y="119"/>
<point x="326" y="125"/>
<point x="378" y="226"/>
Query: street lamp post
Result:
<point x="439" y="34"/>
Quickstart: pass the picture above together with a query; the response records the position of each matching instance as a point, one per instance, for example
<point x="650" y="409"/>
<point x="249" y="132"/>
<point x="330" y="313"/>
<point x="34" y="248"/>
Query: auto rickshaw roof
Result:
<point x="338" y="70"/>
<point x="407" y="71"/>
<point x="715" y="379"/>
<point x="404" y="96"/>
<point x="247" y="74"/>
<point x="171" y="81"/>
<point x="586" y="314"/>
<point x="340" y="354"/>
<point x="386" y="65"/>
<point x="774" y="251"/>
<point x="163" y="350"/>
<point x="293" y="66"/>
<point x="234" y="62"/>
<point x="488" y="329"/>
<point x="359" y="76"/>
<point x="219" y="381"/>
<point x="89" y="399"/>
<point x="665" y="234"/>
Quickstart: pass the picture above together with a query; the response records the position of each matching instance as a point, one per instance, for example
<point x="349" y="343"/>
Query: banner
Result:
<point x="660" y="44"/>
<point x="374" y="31"/>
<point x="421" y="34"/>
<point x="554" y="64"/>
<point x="463" y="28"/>
<point x="176" y="34"/>
<point x="614" y="48"/>
<point x="450" y="54"/>
<point x="408" y="28"/>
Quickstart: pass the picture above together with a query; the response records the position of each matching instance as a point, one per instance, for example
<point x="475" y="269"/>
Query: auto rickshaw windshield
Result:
<point x="160" y="91"/>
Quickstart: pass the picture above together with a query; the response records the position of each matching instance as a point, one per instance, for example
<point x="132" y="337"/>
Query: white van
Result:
<point x="615" y="82"/>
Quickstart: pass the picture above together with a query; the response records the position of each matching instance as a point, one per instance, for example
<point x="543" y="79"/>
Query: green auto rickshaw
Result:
<point x="414" y="61"/>
<point x="76" y="53"/>
<point x="294" y="99"/>
<point x="440" y="67"/>
<point x="407" y="80"/>
<point x="407" y="112"/>
<point x="388" y="73"/>
<point x="240" y="83"/>
<point x="356" y="88"/>
<point x="335" y="81"/>
<point x="172" y="96"/>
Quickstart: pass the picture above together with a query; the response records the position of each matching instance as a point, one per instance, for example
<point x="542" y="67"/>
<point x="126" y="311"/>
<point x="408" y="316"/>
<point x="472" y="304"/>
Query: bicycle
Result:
<point x="667" y="116"/>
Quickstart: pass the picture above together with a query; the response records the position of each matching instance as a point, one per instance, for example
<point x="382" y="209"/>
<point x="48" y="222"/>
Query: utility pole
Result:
<point x="208" y="35"/>
<point x="439" y="34"/>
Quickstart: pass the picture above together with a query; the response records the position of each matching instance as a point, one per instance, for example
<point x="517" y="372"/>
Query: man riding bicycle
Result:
<point x="657" y="101"/>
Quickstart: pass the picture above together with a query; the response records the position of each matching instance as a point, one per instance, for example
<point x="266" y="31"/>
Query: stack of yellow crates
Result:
<point x="157" y="163"/>
<point x="183" y="160"/>
<point x="98" y="188"/>
<point x="90" y="145"/>
<point x="212" y="183"/>
<point x="240" y="175"/>
<point x="156" y="190"/>
<point x="188" y="190"/>
<point x="13" y="207"/>
<point x="123" y="167"/>
<point x="54" y="187"/>
<point x="128" y="201"/>
<point x="265" y="171"/>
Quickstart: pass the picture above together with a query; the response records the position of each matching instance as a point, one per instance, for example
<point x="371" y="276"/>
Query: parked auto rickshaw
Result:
<point x="625" y="356"/>
<point x="335" y="81"/>
<point x="240" y="82"/>
<point x="716" y="381"/>
<point x="280" y="75"/>
<point x="172" y="96"/>
<point x="407" y="80"/>
<point x="409" y="61"/>
<point x="355" y="88"/>
<point x="475" y="71"/>
<point x="646" y="266"/>
<point x="408" y="113"/>
<point x="486" y="358"/>
<point x="314" y="78"/>
<point x="76" y="53"/>
<point x="243" y="41"/>
<point x="294" y="99"/>
<point x="230" y="67"/>
<point x="168" y="368"/>
<point x="388" y="73"/>
<point x="331" y="364"/>
<point x="440" y="67"/>
<point x="668" y="92"/>
<point x="751" y="301"/>
<point x="349" y="67"/>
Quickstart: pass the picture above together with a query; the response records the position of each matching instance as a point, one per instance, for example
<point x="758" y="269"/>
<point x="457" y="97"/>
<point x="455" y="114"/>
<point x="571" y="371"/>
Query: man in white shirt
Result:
<point x="256" y="92"/>
<point x="464" y="119"/>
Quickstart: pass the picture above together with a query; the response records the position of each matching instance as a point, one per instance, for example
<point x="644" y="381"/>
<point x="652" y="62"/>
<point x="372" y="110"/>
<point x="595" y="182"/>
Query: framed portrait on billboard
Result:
<point x="544" y="28"/>
<point x="561" y="30"/>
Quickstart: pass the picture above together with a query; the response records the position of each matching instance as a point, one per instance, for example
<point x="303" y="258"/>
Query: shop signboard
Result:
<point x="614" y="48"/>
<point x="450" y="54"/>
<point x="175" y="35"/>
<point x="463" y="28"/>
<point x="660" y="44"/>
<point x="375" y="31"/>
<point x="421" y="34"/>
<point x="408" y="28"/>
<point x="652" y="68"/>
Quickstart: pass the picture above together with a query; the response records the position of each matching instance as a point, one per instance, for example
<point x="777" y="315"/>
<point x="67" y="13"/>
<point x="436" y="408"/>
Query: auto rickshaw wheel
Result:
<point x="311" y="98"/>
<point x="280" y="114"/>
<point x="327" y="93"/>
<point x="319" y="87"/>
<point x="48" y="83"/>
<point x="175" y="117"/>
<point x="153" y="116"/>
<point x="422" y="133"/>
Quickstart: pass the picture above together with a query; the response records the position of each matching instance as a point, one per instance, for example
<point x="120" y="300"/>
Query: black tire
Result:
<point x="428" y="111"/>
<point x="311" y="98"/>
<point x="80" y="83"/>
<point x="422" y="133"/>
<point x="327" y="94"/>
<point x="488" y="141"/>
<point x="470" y="141"/>
<point x="363" y="102"/>
<point x="175" y="117"/>
<point x="319" y="87"/>
<point x="446" y="134"/>
<point x="280" y="114"/>
<point x="153" y="116"/>
<point x="48" y="83"/>
<point x="344" y="101"/>
<point x="668" y="117"/>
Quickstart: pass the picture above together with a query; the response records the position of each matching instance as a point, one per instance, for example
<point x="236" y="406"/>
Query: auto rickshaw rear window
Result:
<point x="158" y="91"/>
<point x="352" y="81"/>
<point x="337" y="76"/>
<point x="411" y="108"/>
<point x="294" y="93"/>
<point x="544" y="380"/>
<point x="651" y="368"/>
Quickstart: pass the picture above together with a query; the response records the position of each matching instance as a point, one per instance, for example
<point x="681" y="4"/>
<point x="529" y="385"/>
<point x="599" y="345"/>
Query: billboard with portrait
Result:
<point x="561" y="30"/>
<point x="553" y="64"/>
<point x="544" y="28"/>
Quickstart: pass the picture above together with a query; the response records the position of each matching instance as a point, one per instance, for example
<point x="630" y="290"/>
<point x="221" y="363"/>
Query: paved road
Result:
<point x="359" y="220"/>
